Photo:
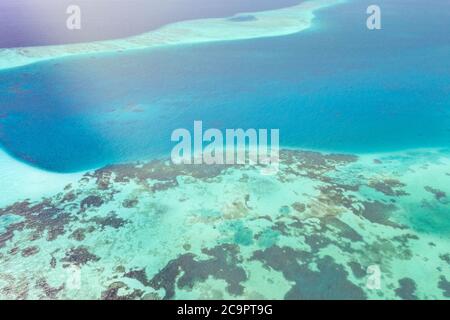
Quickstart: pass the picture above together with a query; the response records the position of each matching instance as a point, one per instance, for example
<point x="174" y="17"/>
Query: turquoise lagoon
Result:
<point x="335" y="87"/>
<point x="374" y="105"/>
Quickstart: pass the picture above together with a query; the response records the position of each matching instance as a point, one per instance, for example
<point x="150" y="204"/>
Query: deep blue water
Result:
<point x="337" y="87"/>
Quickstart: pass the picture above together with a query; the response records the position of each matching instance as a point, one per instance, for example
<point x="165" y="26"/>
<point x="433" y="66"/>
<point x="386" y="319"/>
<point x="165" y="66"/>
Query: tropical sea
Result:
<point x="337" y="86"/>
<point x="364" y="119"/>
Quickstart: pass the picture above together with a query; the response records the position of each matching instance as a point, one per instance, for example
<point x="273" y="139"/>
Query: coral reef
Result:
<point x="155" y="230"/>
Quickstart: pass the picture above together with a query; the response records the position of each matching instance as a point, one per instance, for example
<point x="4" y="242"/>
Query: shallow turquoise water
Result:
<point x="337" y="86"/>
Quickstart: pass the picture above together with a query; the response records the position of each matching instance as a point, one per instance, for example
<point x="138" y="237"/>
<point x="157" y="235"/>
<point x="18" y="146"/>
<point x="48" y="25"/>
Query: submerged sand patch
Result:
<point x="21" y="181"/>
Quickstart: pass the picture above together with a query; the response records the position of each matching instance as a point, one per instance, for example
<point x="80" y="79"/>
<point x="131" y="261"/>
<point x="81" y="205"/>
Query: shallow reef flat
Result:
<point x="20" y="181"/>
<point x="239" y="27"/>
<point x="154" y="230"/>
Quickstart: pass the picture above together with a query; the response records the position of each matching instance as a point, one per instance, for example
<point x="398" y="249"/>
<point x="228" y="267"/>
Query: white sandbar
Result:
<point x="239" y="27"/>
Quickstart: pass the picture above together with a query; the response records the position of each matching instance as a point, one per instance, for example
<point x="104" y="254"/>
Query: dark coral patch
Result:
<point x="112" y="220"/>
<point x="139" y="275"/>
<point x="49" y="291"/>
<point x="6" y="236"/>
<point x="162" y="172"/>
<point x="405" y="239"/>
<point x="103" y="178"/>
<point x="389" y="187"/>
<point x="313" y="165"/>
<point x="79" y="234"/>
<point x="407" y="289"/>
<point x="334" y="195"/>
<point x="130" y="203"/>
<point x="14" y="251"/>
<point x="222" y="265"/>
<point x="299" y="207"/>
<point x="357" y="269"/>
<point x="316" y="160"/>
<point x="38" y="218"/>
<point x="330" y="282"/>
<point x="317" y="241"/>
<point x="438" y="194"/>
<point x="444" y="285"/>
<point x="281" y="227"/>
<point x="53" y="262"/>
<point x="379" y="212"/>
<point x="445" y="257"/>
<point x="331" y="230"/>
<point x="30" y="251"/>
<point x="69" y="197"/>
<point x="79" y="256"/>
<point x="112" y="292"/>
<point x="91" y="201"/>
<point x="344" y="229"/>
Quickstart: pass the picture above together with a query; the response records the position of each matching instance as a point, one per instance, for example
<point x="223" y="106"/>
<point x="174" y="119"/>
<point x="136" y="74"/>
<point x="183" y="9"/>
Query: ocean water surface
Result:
<point x="373" y="194"/>
<point x="337" y="86"/>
